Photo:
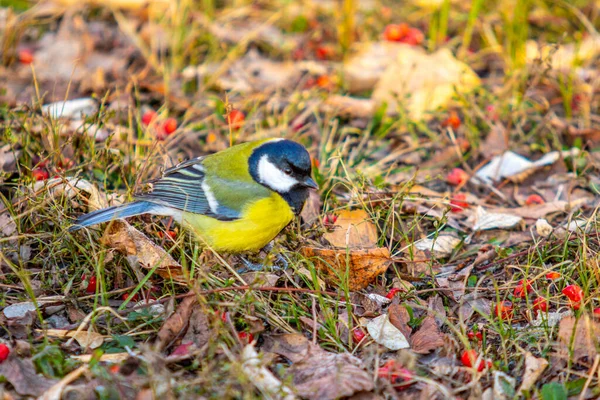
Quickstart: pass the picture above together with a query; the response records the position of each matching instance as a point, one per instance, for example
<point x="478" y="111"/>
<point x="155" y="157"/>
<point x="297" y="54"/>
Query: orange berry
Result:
<point x="452" y="121"/>
<point x="504" y="310"/>
<point x="552" y="275"/>
<point x="25" y="56"/>
<point x="395" y="32"/>
<point x="534" y="199"/>
<point x="236" y="118"/>
<point x="40" y="174"/>
<point x="458" y="203"/>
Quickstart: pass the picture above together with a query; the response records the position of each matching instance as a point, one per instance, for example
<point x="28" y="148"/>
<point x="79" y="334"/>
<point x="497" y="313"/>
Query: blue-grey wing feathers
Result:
<point x="181" y="188"/>
<point x="111" y="213"/>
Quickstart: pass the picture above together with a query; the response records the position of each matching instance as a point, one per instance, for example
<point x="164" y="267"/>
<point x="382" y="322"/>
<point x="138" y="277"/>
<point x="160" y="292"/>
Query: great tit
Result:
<point x="236" y="200"/>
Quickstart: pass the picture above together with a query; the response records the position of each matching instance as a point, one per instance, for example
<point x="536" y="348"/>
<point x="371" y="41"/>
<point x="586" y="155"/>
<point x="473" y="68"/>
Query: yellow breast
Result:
<point x="261" y="221"/>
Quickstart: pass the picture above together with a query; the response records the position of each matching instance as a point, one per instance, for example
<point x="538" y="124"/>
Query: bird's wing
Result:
<point x="186" y="188"/>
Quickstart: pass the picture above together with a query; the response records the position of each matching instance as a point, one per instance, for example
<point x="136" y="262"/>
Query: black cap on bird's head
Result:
<point x="283" y="166"/>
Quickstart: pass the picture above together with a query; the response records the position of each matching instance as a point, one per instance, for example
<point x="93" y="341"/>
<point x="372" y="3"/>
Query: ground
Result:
<point x="451" y="250"/>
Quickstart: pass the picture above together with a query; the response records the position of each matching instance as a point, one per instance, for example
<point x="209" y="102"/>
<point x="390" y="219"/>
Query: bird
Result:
<point x="235" y="201"/>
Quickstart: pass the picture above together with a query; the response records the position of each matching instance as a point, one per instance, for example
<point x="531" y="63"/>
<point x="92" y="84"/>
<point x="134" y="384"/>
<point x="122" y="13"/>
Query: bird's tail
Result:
<point x="111" y="213"/>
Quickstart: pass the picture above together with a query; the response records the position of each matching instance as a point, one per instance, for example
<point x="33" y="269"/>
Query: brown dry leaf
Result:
<point x="141" y="250"/>
<point x="177" y="323"/>
<point x="584" y="334"/>
<point x="86" y="339"/>
<point x="399" y="317"/>
<point x="347" y="106"/>
<point x="312" y="208"/>
<point x="537" y="211"/>
<point x="363" y="69"/>
<point x="21" y="374"/>
<point x="427" y="338"/>
<point x="319" y="374"/>
<point x="495" y="142"/>
<point x="363" y="266"/>
<point x="455" y="282"/>
<point x="424" y="82"/>
<point x="198" y="331"/>
<point x="353" y="229"/>
<point x="534" y="367"/>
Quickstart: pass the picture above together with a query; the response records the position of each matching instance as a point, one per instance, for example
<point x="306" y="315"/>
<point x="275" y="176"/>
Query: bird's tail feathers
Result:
<point x="111" y="213"/>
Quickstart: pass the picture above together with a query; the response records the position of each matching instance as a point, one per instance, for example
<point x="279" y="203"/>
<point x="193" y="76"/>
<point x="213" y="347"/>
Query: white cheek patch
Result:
<point x="273" y="177"/>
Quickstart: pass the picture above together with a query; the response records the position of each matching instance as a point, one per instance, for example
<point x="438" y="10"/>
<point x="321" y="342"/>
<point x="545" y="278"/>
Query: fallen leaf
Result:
<point x="346" y="106"/>
<point x="399" y="317"/>
<point x="21" y="374"/>
<point x="55" y="392"/>
<point x="566" y="56"/>
<point x="177" y="323"/>
<point x="427" y="338"/>
<point x="513" y="166"/>
<point x="8" y="161"/>
<point x="441" y="246"/>
<point x="582" y="336"/>
<point x="320" y="283"/>
<point x="456" y="282"/>
<point x="366" y="66"/>
<point x="360" y="267"/>
<point x="483" y="220"/>
<point x="552" y="318"/>
<point x="534" y="367"/>
<point x="106" y="357"/>
<point x="423" y="82"/>
<point x="495" y="142"/>
<point x="386" y="334"/>
<point x="198" y="331"/>
<point x="319" y="374"/>
<point x="312" y="208"/>
<point x="86" y="339"/>
<point x="19" y="310"/>
<point x="140" y="250"/>
<point x="353" y="229"/>
<point x="504" y="386"/>
<point x="72" y="109"/>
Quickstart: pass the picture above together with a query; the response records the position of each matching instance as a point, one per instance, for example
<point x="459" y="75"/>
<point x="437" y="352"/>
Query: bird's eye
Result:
<point x="287" y="171"/>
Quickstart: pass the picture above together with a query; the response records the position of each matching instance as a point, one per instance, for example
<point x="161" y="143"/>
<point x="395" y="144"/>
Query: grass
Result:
<point x="42" y="260"/>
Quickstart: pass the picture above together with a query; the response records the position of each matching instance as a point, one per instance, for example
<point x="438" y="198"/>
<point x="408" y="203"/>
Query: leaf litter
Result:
<point x="394" y="269"/>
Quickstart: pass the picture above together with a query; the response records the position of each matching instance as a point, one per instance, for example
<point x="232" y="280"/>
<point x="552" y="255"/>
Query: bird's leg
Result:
<point x="280" y="262"/>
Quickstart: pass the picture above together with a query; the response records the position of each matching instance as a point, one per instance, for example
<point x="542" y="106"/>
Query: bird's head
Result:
<point x="283" y="166"/>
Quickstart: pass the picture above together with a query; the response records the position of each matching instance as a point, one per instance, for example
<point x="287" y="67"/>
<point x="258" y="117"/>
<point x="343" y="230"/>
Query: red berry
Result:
<point x="575" y="295"/>
<point x="534" y="199"/>
<point x="457" y="176"/>
<point x="414" y="37"/>
<point x="469" y="358"/>
<point x="4" y="352"/>
<point x="358" y="335"/>
<point x="522" y="289"/>
<point x="25" y="56"/>
<point x="475" y="335"/>
<point x="504" y="310"/>
<point x="395" y="374"/>
<point x="171" y="234"/>
<point x="596" y="312"/>
<point x="91" y="287"/>
<point x="395" y="32"/>
<point x="458" y="203"/>
<point x="40" y="174"/>
<point x="452" y="121"/>
<point x="324" y="82"/>
<point x="245" y="337"/>
<point x="148" y="117"/>
<point x="182" y="350"/>
<point x="552" y="275"/>
<point x="125" y="296"/>
<point x="169" y="125"/>
<point x="492" y="113"/>
<point x="390" y="295"/>
<point x="540" y="304"/>
<point x="236" y="119"/>
<point x="323" y="52"/>
<point x="329" y="220"/>
<point x="114" y="369"/>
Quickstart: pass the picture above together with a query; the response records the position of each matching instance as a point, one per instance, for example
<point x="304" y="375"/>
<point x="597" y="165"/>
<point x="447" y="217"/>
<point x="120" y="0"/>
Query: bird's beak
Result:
<point x="308" y="182"/>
